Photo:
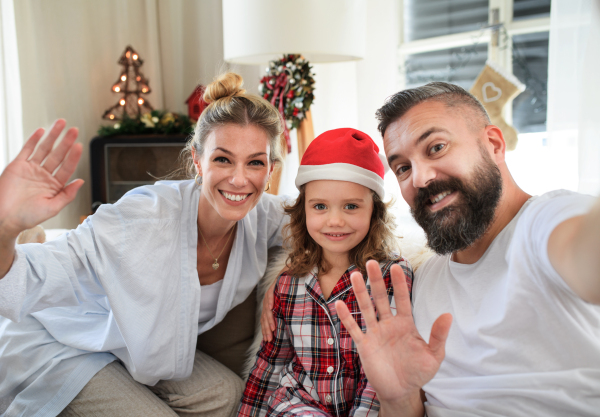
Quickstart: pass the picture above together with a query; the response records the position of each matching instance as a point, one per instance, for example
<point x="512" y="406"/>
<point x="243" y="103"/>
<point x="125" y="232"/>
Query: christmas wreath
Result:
<point x="289" y="86"/>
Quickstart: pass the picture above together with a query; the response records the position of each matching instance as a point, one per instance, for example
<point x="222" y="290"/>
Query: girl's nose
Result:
<point x="335" y="219"/>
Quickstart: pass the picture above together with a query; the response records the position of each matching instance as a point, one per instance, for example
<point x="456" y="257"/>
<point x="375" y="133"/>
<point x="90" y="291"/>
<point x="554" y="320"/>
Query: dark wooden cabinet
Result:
<point x="122" y="163"/>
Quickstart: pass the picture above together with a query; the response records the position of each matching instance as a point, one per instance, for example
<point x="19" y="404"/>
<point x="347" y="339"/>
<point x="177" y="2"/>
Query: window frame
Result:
<point x="500" y="48"/>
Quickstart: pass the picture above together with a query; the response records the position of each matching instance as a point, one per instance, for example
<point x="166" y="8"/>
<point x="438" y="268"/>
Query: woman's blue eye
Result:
<point x="257" y="163"/>
<point x="351" y="207"/>
<point x="320" y="206"/>
<point x="221" y="159"/>
<point x="437" y="148"/>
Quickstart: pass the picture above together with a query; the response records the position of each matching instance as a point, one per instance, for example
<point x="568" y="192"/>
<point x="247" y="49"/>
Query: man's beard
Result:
<point x="458" y="226"/>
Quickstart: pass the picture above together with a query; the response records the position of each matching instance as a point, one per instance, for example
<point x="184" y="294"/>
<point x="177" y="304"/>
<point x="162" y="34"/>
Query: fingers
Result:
<point x="70" y="163"/>
<point x="378" y="290"/>
<point x="401" y="295"/>
<point x="269" y="315"/>
<point x="46" y="145"/>
<point x="30" y="145"/>
<point x="439" y="334"/>
<point x="265" y="328"/>
<point x="65" y="196"/>
<point x="364" y="299"/>
<point x="56" y="156"/>
<point x="348" y="321"/>
<point x="267" y="319"/>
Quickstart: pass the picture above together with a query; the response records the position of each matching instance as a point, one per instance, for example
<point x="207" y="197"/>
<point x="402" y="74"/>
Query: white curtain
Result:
<point x="11" y="130"/>
<point x="68" y="52"/>
<point x="574" y="85"/>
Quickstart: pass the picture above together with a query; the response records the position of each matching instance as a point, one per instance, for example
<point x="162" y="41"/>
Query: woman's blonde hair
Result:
<point x="379" y="243"/>
<point x="229" y="103"/>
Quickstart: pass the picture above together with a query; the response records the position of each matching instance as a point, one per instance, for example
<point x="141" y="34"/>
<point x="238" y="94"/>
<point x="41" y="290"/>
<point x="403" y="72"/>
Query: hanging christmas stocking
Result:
<point x="494" y="87"/>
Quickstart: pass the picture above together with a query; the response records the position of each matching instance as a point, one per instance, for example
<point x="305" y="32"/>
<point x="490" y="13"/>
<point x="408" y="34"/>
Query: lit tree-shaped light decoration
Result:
<point x="132" y="85"/>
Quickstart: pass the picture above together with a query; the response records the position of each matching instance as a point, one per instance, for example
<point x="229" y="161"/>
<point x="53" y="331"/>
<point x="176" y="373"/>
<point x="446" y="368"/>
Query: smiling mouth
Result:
<point x="337" y="234"/>
<point x="234" y="197"/>
<point x="438" y="197"/>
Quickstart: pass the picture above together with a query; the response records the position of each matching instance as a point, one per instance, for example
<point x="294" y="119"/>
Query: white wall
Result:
<point x="68" y="52"/>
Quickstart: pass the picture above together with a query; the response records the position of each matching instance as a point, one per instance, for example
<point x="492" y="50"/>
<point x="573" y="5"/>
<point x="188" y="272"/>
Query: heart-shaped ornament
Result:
<point x="490" y="92"/>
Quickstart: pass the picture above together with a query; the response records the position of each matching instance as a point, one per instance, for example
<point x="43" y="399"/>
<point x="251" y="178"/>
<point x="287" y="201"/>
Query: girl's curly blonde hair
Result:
<point x="379" y="244"/>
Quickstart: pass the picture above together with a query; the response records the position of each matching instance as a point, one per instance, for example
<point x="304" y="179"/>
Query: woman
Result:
<point x="140" y="279"/>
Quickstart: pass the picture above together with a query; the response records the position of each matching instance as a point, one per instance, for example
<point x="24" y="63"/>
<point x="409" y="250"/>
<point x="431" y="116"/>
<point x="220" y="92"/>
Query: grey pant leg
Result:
<point x="212" y="390"/>
<point x="112" y="392"/>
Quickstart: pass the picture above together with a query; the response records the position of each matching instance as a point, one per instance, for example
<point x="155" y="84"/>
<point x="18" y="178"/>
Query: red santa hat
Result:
<point x="343" y="155"/>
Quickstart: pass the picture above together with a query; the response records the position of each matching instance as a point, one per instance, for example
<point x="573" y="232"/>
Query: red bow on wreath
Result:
<point x="279" y="87"/>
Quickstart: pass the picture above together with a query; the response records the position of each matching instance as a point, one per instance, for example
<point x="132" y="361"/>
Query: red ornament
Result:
<point x="196" y="103"/>
<point x="295" y="112"/>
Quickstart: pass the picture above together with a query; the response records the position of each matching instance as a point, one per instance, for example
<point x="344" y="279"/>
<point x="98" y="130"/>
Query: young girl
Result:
<point x="338" y="222"/>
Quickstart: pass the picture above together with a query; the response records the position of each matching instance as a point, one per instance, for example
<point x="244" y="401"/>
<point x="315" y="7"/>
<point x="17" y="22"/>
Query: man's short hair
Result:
<point x="451" y="95"/>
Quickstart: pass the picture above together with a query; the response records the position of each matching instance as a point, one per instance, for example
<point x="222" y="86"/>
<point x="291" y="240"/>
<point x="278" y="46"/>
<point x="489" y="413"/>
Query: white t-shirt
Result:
<point x="209" y="300"/>
<point x="521" y="342"/>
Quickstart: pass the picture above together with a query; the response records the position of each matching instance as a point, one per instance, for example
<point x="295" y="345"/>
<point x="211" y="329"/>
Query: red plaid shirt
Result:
<point x="312" y="366"/>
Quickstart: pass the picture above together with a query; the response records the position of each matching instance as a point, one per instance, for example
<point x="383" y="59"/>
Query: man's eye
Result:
<point x="437" y="148"/>
<point x="351" y="206"/>
<point x="402" y="170"/>
<point x="320" y="206"/>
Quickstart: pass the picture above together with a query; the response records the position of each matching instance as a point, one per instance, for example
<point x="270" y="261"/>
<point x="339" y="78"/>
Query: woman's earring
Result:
<point x="268" y="186"/>
<point x="196" y="179"/>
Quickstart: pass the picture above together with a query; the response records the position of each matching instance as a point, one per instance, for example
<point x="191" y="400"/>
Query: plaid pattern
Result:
<point x="312" y="366"/>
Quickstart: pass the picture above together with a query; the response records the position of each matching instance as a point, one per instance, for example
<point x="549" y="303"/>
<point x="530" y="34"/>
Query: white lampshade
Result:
<point x="259" y="31"/>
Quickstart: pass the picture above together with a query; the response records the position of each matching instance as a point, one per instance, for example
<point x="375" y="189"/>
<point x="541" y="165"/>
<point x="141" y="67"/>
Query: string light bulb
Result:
<point x="123" y="77"/>
<point x="135" y="57"/>
<point x="117" y="89"/>
<point x="122" y="102"/>
<point x="144" y="90"/>
<point x="128" y="54"/>
<point x="140" y="101"/>
<point x="138" y="78"/>
<point x="111" y="116"/>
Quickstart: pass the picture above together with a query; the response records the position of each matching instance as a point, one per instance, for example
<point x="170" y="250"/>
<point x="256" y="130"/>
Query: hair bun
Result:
<point x="225" y="85"/>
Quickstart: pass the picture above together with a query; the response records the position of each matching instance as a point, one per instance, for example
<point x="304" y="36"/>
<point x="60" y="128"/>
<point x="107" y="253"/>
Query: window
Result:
<point x="450" y="40"/>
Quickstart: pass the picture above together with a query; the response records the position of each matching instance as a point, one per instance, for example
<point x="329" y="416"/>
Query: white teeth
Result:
<point x="233" y="197"/>
<point x="439" y="197"/>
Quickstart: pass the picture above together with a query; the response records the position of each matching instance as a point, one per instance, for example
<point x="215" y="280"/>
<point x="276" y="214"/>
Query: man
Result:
<point x="519" y="275"/>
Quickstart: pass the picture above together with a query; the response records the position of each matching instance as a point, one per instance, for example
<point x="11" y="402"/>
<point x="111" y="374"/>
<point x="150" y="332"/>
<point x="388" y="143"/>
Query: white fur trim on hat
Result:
<point x="341" y="172"/>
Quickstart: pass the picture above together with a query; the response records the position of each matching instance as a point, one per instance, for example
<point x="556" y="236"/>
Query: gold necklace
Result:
<point x="215" y="264"/>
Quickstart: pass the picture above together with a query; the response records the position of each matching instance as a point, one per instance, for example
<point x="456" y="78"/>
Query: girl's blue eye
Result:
<point x="351" y="206"/>
<point x="320" y="206"/>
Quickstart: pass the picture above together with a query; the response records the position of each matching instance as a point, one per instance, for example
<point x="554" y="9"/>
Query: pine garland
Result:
<point x="155" y="122"/>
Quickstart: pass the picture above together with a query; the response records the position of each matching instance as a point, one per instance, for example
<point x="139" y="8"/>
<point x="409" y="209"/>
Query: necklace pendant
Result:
<point x="215" y="265"/>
